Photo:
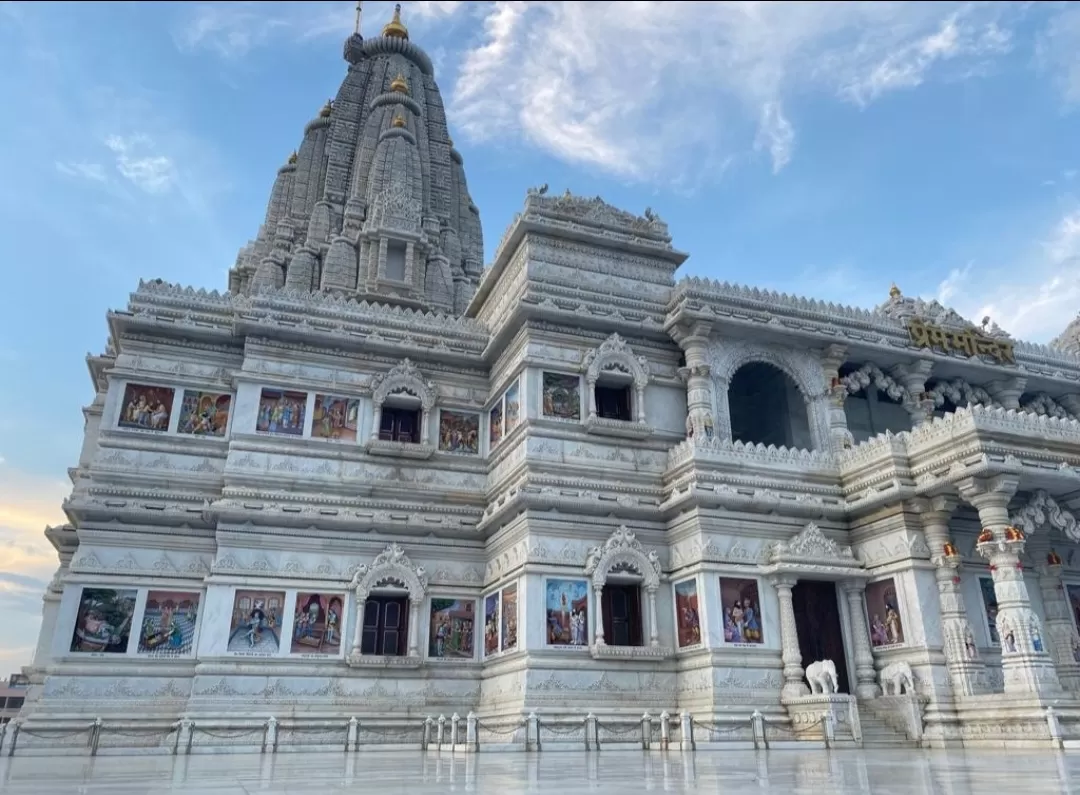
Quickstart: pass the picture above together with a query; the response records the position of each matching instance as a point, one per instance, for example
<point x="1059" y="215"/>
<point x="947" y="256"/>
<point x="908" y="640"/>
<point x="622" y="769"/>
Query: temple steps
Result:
<point x="876" y="733"/>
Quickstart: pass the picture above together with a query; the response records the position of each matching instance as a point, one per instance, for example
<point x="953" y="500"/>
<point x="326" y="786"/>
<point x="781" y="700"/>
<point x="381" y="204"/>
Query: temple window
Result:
<point x="871" y="411"/>
<point x="614" y="400"/>
<point x="400" y="424"/>
<point x="402" y="404"/>
<point x="395" y="260"/>
<point x="620" y="609"/>
<point x="386" y="622"/>
<point x="616" y="380"/>
<point x="766" y="407"/>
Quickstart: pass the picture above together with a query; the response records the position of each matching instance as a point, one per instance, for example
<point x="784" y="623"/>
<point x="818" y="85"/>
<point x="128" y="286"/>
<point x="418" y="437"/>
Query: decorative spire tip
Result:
<point x="395" y="28"/>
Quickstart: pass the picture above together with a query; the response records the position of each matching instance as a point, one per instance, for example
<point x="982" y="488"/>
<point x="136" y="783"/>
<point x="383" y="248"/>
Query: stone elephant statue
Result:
<point x="896" y="679"/>
<point x="822" y="677"/>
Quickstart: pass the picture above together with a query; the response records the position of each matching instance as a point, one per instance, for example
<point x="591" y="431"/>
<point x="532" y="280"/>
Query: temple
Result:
<point x="377" y="490"/>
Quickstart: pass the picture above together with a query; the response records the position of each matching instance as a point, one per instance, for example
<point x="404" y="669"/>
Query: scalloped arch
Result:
<point x="405" y="377"/>
<point x="801" y="369"/>
<point x="614" y="353"/>
<point x="392" y="565"/>
<point x="622" y="548"/>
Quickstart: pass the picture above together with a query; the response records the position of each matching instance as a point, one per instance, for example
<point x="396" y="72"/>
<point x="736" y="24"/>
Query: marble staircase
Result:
<point x="882" y="730"/>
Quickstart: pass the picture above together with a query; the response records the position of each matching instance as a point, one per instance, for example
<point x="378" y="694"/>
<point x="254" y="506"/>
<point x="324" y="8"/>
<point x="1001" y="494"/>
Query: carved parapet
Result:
<point x="624" y="429"/>
<point x="605" y="652"/>
<point x="410" y="450"/>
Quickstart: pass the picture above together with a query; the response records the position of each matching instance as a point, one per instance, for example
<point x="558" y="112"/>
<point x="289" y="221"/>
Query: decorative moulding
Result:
<point x="381" y="661"/>
<point x="810" y="551"/>
<point x="607" y="652"/>
<point x="624" y="429"/>
<point x="408" y="450"/>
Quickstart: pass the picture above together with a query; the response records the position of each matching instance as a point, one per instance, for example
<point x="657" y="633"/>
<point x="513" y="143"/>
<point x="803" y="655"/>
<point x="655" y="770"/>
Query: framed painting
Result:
<point x="561" y="396"/>
<point x="459" y="432"/>
<point x="317" y="623"/>
<point x="509" y="617"/>
<point x="687" y="613"/>
<point x="282" y="412"/>
<point x="335" y="418"/>
<point x="452" y="625"/>
<point x="204" y="413"/>
<point x="566" y="604"/>
<point x="883" y="614"/>
<point x="168" y="623"/>
<point x="512" y="406"/>
<point x="103" y="623"/>
<point x="989" y="600"/>
<point x="491" y="624"/>
<point x="255" y="626"/>
<point x="741" y="608"/>
<point x="495" y="423"/>
<point x="146" y="408"/>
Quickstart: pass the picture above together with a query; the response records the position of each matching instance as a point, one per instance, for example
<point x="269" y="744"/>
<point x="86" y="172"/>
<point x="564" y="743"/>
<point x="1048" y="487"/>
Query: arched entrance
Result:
<point x="766" y="407"/>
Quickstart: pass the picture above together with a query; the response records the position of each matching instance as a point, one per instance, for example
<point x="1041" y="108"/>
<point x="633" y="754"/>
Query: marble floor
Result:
<point x="568" y="773"/>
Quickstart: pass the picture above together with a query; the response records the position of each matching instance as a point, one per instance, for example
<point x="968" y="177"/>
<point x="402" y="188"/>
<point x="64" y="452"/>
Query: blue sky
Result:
<point x="820" y="149"/>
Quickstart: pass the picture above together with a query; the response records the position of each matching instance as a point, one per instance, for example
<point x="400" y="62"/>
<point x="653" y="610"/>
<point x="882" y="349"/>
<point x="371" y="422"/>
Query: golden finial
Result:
<point x="325" y="112"/>
<point x="293" y="158"/>
<point x="394" y="28"/>
<point x="399" y="121"/>
<point x="400" y="84"/>
<point x="894" y="291"/>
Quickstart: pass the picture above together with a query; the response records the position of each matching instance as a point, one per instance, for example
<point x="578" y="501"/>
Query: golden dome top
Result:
<point x="399" y="121"/>
<point x="394" y="28"/>
<point x="325" y="112"/>
<point x="400" y="84"/>
<point x="293" y="158"/>
<point x="894" y="291"/>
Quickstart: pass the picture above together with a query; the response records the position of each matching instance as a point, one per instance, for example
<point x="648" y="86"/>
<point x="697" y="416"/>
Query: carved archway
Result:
<point x="402" y="378"/>
<point x="623" y="552"/>
<point x="614" y="355"/>
<point x="1041" y="510"/>
<point x="391" y="567"/>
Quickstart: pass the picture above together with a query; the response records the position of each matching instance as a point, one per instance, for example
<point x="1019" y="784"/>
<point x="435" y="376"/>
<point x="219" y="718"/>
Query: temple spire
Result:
<point x="395" y="28"/>
<point x="359" y="16"/>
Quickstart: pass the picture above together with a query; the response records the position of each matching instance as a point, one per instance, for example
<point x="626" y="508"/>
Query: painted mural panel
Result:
<point x="1072" y="592"/>
<point x="495" y="424"/>
<point x="255" y="627"/>
<point x="335" y="418"/>
<point x="204" y="413"/>
<point x="512" y="406"/>
<point x="562" y="396"/>
<point x="168" y="623"/>
<point x="567" y="606"/>
<point x="146" y="408"/>
<point x="742" y="610"/>
<point x="687" y="613"/>
<point x="281" y="411"/>
<point x="989" y="597"/>
<point x="491" y="624"/>
<point x="883" y="614"/>
<point x="452" y="628"/>
<point x="509" y="613"/>
<point x="459" y="432"/>
<point x="103" y="623"/>
<point x="317" y="623"/>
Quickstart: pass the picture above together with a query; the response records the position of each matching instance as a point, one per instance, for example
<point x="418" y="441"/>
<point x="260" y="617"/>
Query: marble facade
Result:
<point x="446" y="440"/>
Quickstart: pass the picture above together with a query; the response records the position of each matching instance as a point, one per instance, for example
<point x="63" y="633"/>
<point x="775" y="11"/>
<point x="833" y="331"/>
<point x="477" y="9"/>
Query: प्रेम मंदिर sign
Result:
<point x="969" y="342"/>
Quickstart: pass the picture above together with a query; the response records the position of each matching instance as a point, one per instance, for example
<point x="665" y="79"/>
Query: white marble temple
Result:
<point x="908" y="772"/>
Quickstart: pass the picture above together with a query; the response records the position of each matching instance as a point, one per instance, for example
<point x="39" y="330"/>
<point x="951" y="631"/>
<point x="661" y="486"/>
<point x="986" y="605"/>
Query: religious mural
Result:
<point x="495" y="424"/>
<point x="317" y="623"/>
<point x="989" y="597"/>
<point x="281" y="411"/>
<point x="255" y="627"/>
<point x="103" y="622"/>
<point x="459" y="432"/>
<point x="335" y="418"/>
<point x="491" y="624"/>
<point x="452" y="627"/>
<point x="509" y="613"/>
<point x="687" y="614"/>
<point x="883" y="614"/>
<point x="562" y="396"/>
<point x="146" y="408"/>
<point x="168" y="624"/>
<point x="567" y="605"/>
<point x="512" y="407"/>
<point x="742" y="610"/>
<point x="204" y="413"/>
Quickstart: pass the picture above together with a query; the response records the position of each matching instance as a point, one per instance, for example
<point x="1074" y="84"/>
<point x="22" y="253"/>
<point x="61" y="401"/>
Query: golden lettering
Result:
<point x="969" y="342"/>
<point x="963" y="342"/>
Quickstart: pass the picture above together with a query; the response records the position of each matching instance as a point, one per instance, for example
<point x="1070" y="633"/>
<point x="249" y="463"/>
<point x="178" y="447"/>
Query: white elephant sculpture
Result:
<point x="896" y="679"/>
<point x="822" y="677"/>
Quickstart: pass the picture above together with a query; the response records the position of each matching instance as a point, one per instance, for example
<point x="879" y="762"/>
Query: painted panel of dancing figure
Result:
<point x="168" y="623"/>
<point x="687" y="613"/>
<point x="741" y="606"/>
<point x="567" y="607"/>
<point x="561" y="397"/>
<point x="255" y="628"/>
<point x="335" y="418"/>
<point x="281" y="411"/>
<point x="452" y="628"/>
<point x="512" y="406"/>
<point x="103" y="623"/>
<point x="204" y="413"/>
<point x="491" y="624"/>
<point x="989" y="598"/>
<point x="459" y="432"/>
<point x="317" y="623"/>
<point x="509" y="616"/>
<point x="495" y="424"/>
<point x="146" y="408"/>
<point x="883" y="614"/>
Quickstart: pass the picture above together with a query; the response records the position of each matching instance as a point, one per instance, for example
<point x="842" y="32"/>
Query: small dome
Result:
<point x="394" y="28"/>
<point x="400" y="84"/>
<point x="399" y="121"/>
<point x="894" y="291"/>
<point x="325" y="112"/>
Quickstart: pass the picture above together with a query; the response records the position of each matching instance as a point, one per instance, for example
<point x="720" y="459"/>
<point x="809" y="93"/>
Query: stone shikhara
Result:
<point x="351" y="485"/>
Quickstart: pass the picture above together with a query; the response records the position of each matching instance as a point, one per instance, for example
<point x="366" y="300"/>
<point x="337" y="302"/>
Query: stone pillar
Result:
<point x="639" y="402"/>
<point x="1007" y="392"/>
<point x="832" y="359"/>
<point x="1025" y="663"/>
<point x="358" y="629"/>
<point x="376" y="421"/>
<point x="866" y="685"/>
<point x="590" y="387"/>
<point x="654" y="638"/>
<point x="414" y="626"/>
<point x="794" y="686"/>
<point x="425" y="422"/>
<point x="913" y="377"/>
<point x="966" y="672"/>
<point x="598" y="592"/>
<point x="697" y="377"/>
<point x="1061" y="639"/>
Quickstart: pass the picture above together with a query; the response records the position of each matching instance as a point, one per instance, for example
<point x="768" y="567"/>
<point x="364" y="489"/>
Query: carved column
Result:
<point x="866" y="685"/>
<point x="598" y="593"/>
<point x="639" y="401"/>
<point x="414" y="627"/>
<point x="832" y="359"/>
<point x="1025" y="663"/>
<point x="358" y="629"/>
<point x="1007" y="392"/>
<point x="1061" y="638"/>
<point x="376" y="421"/>
<point x="425" y="422"/>
<point x="794" y="686"/>
<point x="654" y="637"/>
<point x="590" y="386"/>
<point x="913" y="378"/>
<point x="966" y="671"/>
<point x="696" y="375"/>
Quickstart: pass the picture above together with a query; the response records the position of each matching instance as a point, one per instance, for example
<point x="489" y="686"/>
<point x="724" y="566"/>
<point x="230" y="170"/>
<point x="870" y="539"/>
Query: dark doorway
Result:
<point x="817" y="619"/>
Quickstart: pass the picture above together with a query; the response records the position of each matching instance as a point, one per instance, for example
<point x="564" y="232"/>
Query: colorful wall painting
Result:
<point x="452" y="628"/>
<point x="688" y="614"/>
<point x="103" y="623"/>
<point x="146" y="408"/>
<point x="883" y="614"/>
<point x="204" y="413"/>
<point x="459" y="432"/>
<point x="512" y="406"/>
<point x="281" y="411"/>
<point x="255" y="627"/>
<point x="491" y="624"/>
<point x="567" y="606"/>
<point x="317" y="623"/>
<point x="509" y="613"/>
<point x="335" y="418"/>
<point x="562" y="396"/>
<point x="741" y="607"/>
<point x="168" y="623"/>
<point x="1072" y="591"/>
<point x="495" y="423"/>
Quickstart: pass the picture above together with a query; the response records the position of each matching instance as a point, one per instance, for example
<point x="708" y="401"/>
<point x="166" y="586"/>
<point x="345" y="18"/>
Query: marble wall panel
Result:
<point x="597" y="282"/>
<point x="148" y="461"/>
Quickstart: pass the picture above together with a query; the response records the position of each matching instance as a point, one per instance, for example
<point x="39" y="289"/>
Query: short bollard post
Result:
<point x="350" y="735"/>
<point x="830" y="729"/>
<point x="757" y="721"/>
<point x="441" y="732"/>
<point x="686" y="729"/>
<point x="95" y="736"/>
<point x="190" y="734"/>
<point x="532" y="728"/>
<point x="471" y="738"/>
<point x="665" y="729"/>
<point x="455" y="728"/>
<point x="271" y="736"/>
<point x="590" y="721"/>
<point x="426" y="741"/>
<point x="646" y="731"/>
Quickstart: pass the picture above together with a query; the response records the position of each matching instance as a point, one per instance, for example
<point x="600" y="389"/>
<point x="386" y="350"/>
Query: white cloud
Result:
<point x="91" y="171"/>
<point x="138" y="163"/>
<point x="1058" y="52"/>
<point x="775" y="134"/>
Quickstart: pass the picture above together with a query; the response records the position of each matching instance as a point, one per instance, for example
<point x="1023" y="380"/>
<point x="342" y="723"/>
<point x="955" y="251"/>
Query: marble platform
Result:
<point x="879" y="772"/>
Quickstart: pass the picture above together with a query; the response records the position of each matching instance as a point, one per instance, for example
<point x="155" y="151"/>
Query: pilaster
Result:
<point x="696" y="376"/>
<point x="794" y="686"/>
<point x="866" y="685"/>
<point x="913" y="378"/>
<point x="1007" y="391"/>
<point x="832" y="359"/>
<point x="1061" y="636"/>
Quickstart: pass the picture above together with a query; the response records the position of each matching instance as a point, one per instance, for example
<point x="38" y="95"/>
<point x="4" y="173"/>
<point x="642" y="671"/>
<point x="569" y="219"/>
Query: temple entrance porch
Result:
<point x="818" y="625"/>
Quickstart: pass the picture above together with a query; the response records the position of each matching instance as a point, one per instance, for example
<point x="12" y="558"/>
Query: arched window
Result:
<point x="766" y="407"/>
<point x="870" y="409"/>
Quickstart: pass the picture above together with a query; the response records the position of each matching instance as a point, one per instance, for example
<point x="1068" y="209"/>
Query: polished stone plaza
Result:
<point x="879" y="772"/>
